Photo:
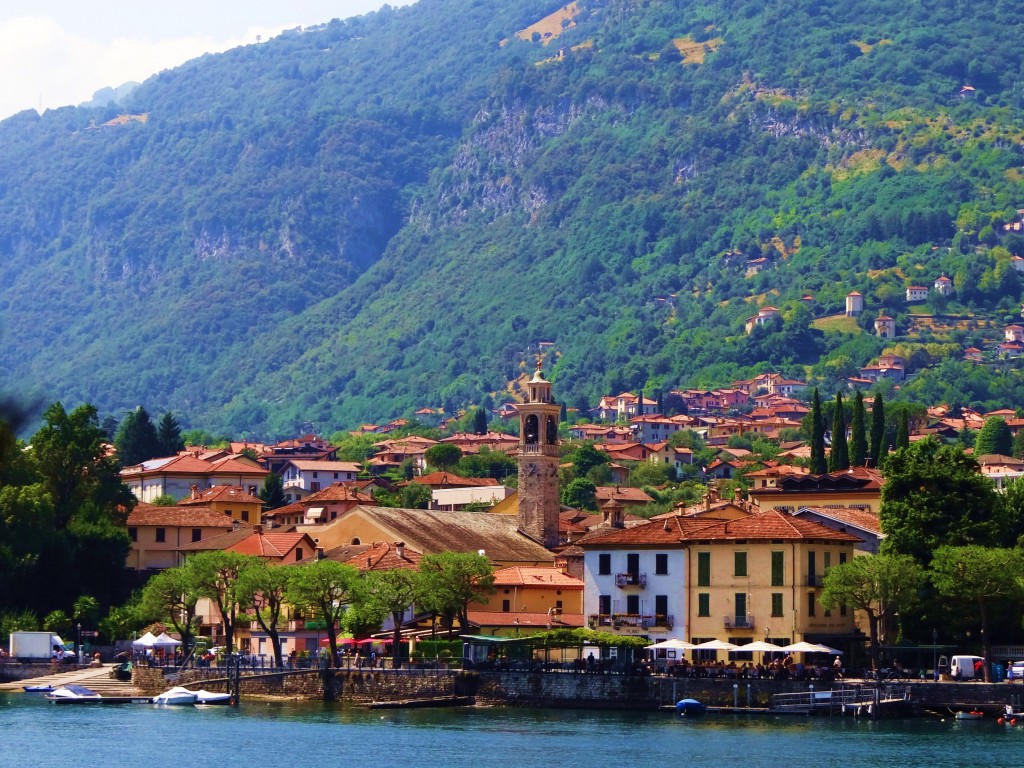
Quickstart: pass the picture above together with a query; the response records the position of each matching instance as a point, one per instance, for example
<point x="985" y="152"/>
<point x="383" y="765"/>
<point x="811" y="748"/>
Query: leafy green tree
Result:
<point x="452" y="580"/>
<point x="878" y="446"/>
<point x="171" y="596"/>
<point x="325" y="587"/>
<point x="168" y="434"/>
<point x="818" y="464"/>
<point x="903" y="431"/>
<point x="986" y="579"/>
<point x="57" y="622"/>
<point x="858" y="435"/>
<point x="479" y="421"/>
<point x="263" y="588"/>
<point x="215" y="576"/>
<point x="87" y="610"/>
<point x="1018" y="445"/>
<point x="391" y="593"/>
<point x="879" y="585"/>
<point x="586" y="458"/>
<point x="272" y="492"/>
<point x="416" y="496"/>
<point x="839" y="457"/>
<point x="934" y="494"/>
<point x="444" y="456"/>
<point x="994" y="437"/>
<point x="137" y="440"/>
<point x="165" y="500"/>
<point x="580" y="493"/>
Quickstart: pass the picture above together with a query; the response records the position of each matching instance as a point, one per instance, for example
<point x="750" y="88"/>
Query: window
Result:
<point x="703" y="569"/>
<point x="661" y="564"/>
<point x="778" y="569"/>
<point x="506" y="606"/>
<point x="739" y="564"/>
<point x="842" y="558"/>
<point x="314" y="487"/>
<point x="842" y="609"/>
<point x="558" y="604"/>
<point x="703" y="604"/>
<point x="604" y="565"/>
<point x="133" y="534"/>
<point x="245" y="515"/>
<point x="633" y="563"/>
<point x="604" y="605"/>
<point x="161" y="534"/>
<point x="812" y="569"/>
<point x="633" y="604"/>
<point x="776" y="603"/>
<point x="826" y="562"/>
<point x="314" y="474"/>
<point x="197" y="534"/>
<point x="298" y="554"/>
<point x="810" y="604"/>
<point x="661" y="606"/>
<point x="740" y="603"/>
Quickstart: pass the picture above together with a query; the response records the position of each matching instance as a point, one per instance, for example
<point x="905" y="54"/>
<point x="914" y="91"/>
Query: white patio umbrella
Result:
<point x="673" y="645"/>
<point x="759" y="646"/>
<point x="715" y="645"/>
<point x="803" y="647"/>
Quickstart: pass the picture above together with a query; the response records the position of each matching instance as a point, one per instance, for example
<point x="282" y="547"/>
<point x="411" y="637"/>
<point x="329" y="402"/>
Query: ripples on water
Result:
<point x="266" y="735"/>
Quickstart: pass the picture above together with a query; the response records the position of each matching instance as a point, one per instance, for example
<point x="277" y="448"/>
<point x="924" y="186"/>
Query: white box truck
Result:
<point x="38" y="646"/>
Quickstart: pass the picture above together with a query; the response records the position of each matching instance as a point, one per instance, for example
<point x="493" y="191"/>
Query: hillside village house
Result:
<point x="529" y="599"/>
<point x="917" y="293"/>
<point x="301" y="477"/>
<point x="307" y="447"/>
<point x="698" y="578"/>
<point x="230" y="500"/>
<point x="158" y="533"/>
<point x="623" y="406"/>
<point x="763" y="316"/>
<point x="854" y="303"/>
<point x="329" y="503"/>
<point x="856" y="487"/>
<point x="175" y="476"/>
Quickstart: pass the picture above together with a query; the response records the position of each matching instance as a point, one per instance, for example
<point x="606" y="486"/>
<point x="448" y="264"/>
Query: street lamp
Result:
<point x="79" y="627"/>
<point x="935" y="666"/>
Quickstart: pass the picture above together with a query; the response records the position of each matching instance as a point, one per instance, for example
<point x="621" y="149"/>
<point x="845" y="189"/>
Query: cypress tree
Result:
<point x="903" y="432"/>
<point x="818" y="463"/>
<point x="839" y="457"/>
<point x="136" y="439"/>
<point x="480" y="421"/>
<point x="877" y="429"/>
<point x="858" y="436"/>
<point x="168" y="434"/>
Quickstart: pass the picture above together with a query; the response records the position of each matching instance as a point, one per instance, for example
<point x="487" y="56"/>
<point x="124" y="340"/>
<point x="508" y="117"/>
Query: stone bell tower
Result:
<point x="539" y="503"/>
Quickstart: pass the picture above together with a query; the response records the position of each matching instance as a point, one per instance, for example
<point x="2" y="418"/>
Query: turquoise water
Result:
<point x="265" y="735"/>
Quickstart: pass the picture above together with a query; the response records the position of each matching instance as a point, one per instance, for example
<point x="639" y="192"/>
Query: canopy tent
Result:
<point x="165" y="640"/>
<point x="146" y="641"/>
<point x="671" y="645"/>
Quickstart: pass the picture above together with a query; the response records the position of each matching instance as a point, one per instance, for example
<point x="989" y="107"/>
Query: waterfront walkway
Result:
<point x="96" y="678"/>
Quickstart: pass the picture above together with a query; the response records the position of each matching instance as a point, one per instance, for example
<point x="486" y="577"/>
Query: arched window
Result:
<point x="552" y="431"/>
<point x="531" y="429"/>
<point x="356" y="541"/>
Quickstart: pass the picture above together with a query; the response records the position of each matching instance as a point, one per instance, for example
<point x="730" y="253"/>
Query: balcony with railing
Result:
<point x="740" y="622"/>
<point x="815" y="580"/>
<point x="631" y="620"/>
<point x="538" y="449"/>
<point x="631" y="580"/>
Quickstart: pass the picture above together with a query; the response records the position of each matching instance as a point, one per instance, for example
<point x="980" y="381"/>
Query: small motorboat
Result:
<point x="37" y="688"/>
<point x="73" y="692"/>
<point x="972" y="714"/>
<point x="209" y="698"/>
<point x="1009" y="717"/>
<point x="690" y="708"/>
<point x="176" y="697"/>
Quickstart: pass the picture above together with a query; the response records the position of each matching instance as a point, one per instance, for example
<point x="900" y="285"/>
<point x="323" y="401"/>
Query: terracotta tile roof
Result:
<point x="382" y="556"/>
<point x="221" y="493"/>
<point x="224" y="541"/>
<point x="235" y="466"/>
<point x="296" y="508"/>
<point x="621" y="494"/>
<point x="312" y="465"/>
<point x="451" y="480"/>
<point x="864" y="519"/>
<point x="771" y="525"/>
<point x="178" y="517"/>
<point x="521" y="576"/>
<point x="338" y="492"/>
<point x="172" y="465"/>
<point x="272" y="545"/>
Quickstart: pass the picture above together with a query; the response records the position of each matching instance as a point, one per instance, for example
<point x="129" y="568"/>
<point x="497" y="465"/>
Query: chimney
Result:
<point x="258" y="530"/>
<point x="400" y="549"/>
<point x="707" y="501"/>
<point x="195" y="491"/>
<point x="252" y="490"/>
<point x="737" y="495"/>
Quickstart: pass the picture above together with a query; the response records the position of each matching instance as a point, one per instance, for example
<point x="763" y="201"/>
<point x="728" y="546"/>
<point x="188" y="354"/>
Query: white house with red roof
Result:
<point x="917" y="293"/>
<point x="176" y="475"/>
<point x="301" y="477"/>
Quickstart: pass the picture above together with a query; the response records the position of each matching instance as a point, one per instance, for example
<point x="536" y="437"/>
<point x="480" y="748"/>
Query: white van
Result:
<point x="962" y="667"/>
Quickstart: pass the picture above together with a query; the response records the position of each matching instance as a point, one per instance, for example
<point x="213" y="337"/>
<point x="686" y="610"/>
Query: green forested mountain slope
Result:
<point x="384" y="213"/>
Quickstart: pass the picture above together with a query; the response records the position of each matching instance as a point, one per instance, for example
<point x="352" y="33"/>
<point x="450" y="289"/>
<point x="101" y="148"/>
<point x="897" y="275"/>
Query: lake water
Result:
<point x="34" y="732"/>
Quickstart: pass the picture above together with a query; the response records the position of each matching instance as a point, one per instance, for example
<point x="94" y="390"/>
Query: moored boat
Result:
<point x="176" y="697"/>
<point x="72" y="692"/>
<point x="209" y="698"/>
<point x="37" y="688"/>
<point x="972" y="714"/>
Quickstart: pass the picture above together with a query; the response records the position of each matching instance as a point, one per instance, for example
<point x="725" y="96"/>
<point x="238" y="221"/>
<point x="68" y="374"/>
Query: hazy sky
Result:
<point x="59" y="52"/>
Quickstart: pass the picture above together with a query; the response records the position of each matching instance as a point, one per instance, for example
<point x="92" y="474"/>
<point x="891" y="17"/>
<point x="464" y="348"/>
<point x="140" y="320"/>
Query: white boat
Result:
<point x="973" y="714"/>
<point x="72" y="692"/>
<point x="209" y="697"/>
<point x="176" y="697"/>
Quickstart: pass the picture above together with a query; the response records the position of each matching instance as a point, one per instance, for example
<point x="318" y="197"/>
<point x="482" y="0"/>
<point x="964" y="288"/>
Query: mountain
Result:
<point x="355" y="220"/>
